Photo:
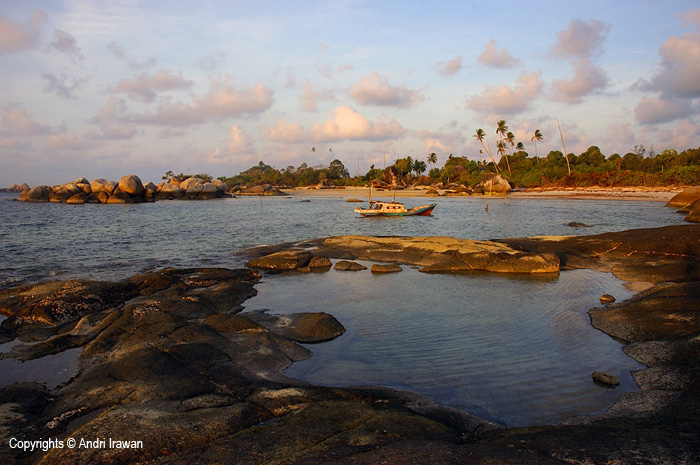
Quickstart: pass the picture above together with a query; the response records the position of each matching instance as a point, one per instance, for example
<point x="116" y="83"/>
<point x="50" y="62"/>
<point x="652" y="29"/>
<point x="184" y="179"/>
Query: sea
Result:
<point x="517" y="350"/>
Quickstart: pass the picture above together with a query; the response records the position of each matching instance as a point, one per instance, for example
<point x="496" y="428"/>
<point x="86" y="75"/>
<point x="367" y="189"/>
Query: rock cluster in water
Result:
<point x="129" y="189"/>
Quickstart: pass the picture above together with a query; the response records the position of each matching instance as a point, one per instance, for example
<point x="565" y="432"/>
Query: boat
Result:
<point x="394" y="209"/>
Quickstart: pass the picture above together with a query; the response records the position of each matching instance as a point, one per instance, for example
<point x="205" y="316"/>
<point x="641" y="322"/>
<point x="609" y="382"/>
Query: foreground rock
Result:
<point x="169" y="359"/>
<point x="685" y="199"/>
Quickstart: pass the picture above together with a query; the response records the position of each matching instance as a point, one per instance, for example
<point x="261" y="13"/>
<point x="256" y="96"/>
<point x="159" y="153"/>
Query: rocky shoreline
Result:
<point x="169" y="359"/>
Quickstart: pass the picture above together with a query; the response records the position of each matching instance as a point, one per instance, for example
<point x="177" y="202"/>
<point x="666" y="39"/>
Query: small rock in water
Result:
<point x="388" y="268"/>
<point x="346" y="265"/>
<point x="606" y="299"/>
<point x="575" y="224"/>
<point x="605" y="378"/>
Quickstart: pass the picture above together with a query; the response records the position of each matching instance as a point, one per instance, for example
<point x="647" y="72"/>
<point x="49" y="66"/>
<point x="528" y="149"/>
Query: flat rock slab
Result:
<point x="300" y="327"/>
<point x="443" y="254"/>
<point x="388" y="268"/>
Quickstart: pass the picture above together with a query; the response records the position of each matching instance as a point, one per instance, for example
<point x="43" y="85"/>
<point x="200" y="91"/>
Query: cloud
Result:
<point x="376" y="90"/>
<point x="18" y="121"/>
<point x="494" y="58"/>
<point x="66" y="140"/>
<point x="348" y="124"/>
<point x="222" y="101"/>
<point x="588" y="79"/>
<point x="145" y="87"/>
<point x="310" y="96"/>
<point x="283" y="131"/>
<point x="679" y="67"/>
<point x="240" y="142"/>
<point x="448" y="68"/>
<point x="63" y="42"/>
<point x="506" y="100"/>
<point x="447" y="139"/>
<point x="581" y="39"/>
<point x="116" y="50"/>
<point x="15" y="37"/>
<point x="60" y="85"/>
<point x="656" y="111"/>
<point x="110" y="119"/>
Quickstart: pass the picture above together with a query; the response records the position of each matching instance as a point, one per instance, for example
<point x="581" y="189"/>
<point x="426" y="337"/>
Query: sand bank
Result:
<point x="614" y="193"/>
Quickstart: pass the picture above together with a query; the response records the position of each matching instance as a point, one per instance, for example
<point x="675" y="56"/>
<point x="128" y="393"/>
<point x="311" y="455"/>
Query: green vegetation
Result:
<point x="590" y="168"/>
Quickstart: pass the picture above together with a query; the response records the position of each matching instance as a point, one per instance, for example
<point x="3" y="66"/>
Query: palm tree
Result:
<point x="535" y="138"/>
<point x="566" y="155"/>
<point x="313" y="150"/>
<point x="501" y="150"/>
<point x="432" y="158"/>
<point x="502" y="130"/>
<point x="480" y="136"/>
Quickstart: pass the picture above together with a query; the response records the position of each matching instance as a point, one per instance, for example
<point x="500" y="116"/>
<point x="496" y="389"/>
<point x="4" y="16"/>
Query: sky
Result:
<point x="101" y="89"/>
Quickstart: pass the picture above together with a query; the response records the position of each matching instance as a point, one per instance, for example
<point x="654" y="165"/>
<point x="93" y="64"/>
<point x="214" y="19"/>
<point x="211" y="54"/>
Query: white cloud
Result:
<point x="581" y="39"/>
<point x="448" y="68"/>
<point x="15" y="37"/>
<point x="310" y="96"/>
<point x="376" y="90"/>
<point x="348" y="124"/>
<point x="240" y="142"/>
<point x="506" y="100"/>
<point x="283" y="131"/>
<point x="447" y="139"/>
<point x="132" y="62"/>
<point x="494" y="58"/>
<point x="66" y="140"/>
<point x="588" y="78"/>
<point x="145" y="87"/>
<point x="222" y="101"/>
<point x="18" y="121"/>
<point x="656" y="111"/>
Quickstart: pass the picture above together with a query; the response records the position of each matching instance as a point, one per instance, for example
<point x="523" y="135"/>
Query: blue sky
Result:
<point x="105" y="88"/>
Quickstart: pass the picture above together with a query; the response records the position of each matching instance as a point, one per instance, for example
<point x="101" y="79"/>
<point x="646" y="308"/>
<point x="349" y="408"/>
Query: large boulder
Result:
<point x="168" y="190"/>
<point x="81" y="181"/>
<point x="300" y="327"/>
<point x="36" y="194"/>
<point x="694" y="214"/>
<point x="118" y="196"/>
<point x="220" y="185"/>
<point x="209" y="191"/>
<point x="76" y="199"/>
<point x="685" y="199"/>
<point x="265" y="189"/>
<point x="191" y="182"/>
<point x="494" y="184"/>
<point x="131" y="184"/>
<point x="103" y="185"/>
<point x="18" y="187"/>
<point x="280" y="261"/>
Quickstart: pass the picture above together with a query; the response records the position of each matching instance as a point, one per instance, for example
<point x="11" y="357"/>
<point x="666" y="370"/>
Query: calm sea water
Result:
<point x="517" y="350"/>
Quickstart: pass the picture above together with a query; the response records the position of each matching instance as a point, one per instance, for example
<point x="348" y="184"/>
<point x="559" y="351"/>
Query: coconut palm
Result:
<point x="480" y="136"/>
<point x="502" y="131"/>
<point x="432" y="158"/>
<point x="566" y="155"/>
<point x="535" y="138"/>
<point x="501" y="150"/>
<point x="313" y="150"/>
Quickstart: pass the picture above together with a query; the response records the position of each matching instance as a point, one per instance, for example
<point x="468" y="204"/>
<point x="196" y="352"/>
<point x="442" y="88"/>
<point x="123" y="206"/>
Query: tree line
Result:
<point x="638" y="167"/>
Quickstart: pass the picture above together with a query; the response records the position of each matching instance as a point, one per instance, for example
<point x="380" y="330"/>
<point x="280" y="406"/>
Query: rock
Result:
<point x="300" y="327"/>
<point x="103" y="185"/>
<point x="281" y="261"/>
<point x="346" y="265"/>
<point x="574" y="224"/>
<point x="167" y="190"/>
<point x="266" y="189"/>
<point x="121" y="197"/>
<point x="607" y="299"/>
<point x="76" y="199"/>
<point x="60" y="195"/>
<point x="685" y="198"/>
<point x="387" y="268"/>
<point x="36" y="194"/>
<point x="320" y="262"/>
<point x="209" y="191"/>
<point x="84" y="187"/>
<point x="18" y="188"/>
<point x="189" y="183"/>
<point x="355" y="200"/>
<point x="221" y="186"/>
<point x="81" y="181"/>
<point x="494" y="183"/>
<point x="694" y="213"/>
<point x="432" y="193"/>
<point x="131" y="184"/>
<point x="605" y="378"/>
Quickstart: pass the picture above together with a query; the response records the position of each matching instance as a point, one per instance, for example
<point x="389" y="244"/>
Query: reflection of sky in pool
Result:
<point x="516" y="350"/>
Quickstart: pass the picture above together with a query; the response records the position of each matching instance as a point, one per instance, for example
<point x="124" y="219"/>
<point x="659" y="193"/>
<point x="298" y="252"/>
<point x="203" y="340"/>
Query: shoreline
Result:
<point x="604" y="193"/>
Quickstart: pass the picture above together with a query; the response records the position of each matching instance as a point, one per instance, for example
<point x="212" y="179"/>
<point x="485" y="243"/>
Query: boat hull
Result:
<point x="424" y="210"/>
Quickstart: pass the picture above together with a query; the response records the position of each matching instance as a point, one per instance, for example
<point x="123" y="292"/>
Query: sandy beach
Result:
<point x="616" y="193"/>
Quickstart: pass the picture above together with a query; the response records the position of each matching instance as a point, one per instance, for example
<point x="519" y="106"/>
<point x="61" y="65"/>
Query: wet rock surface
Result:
<point x="169" y="359"/>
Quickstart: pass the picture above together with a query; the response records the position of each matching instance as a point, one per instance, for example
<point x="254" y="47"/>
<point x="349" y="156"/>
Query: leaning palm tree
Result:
<point x="535" y="138"/>
<point x="480" y="136"/>
<point x="566" y="155"/>
<point x="501" y="150"/>
<point x="502" y="130"/>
